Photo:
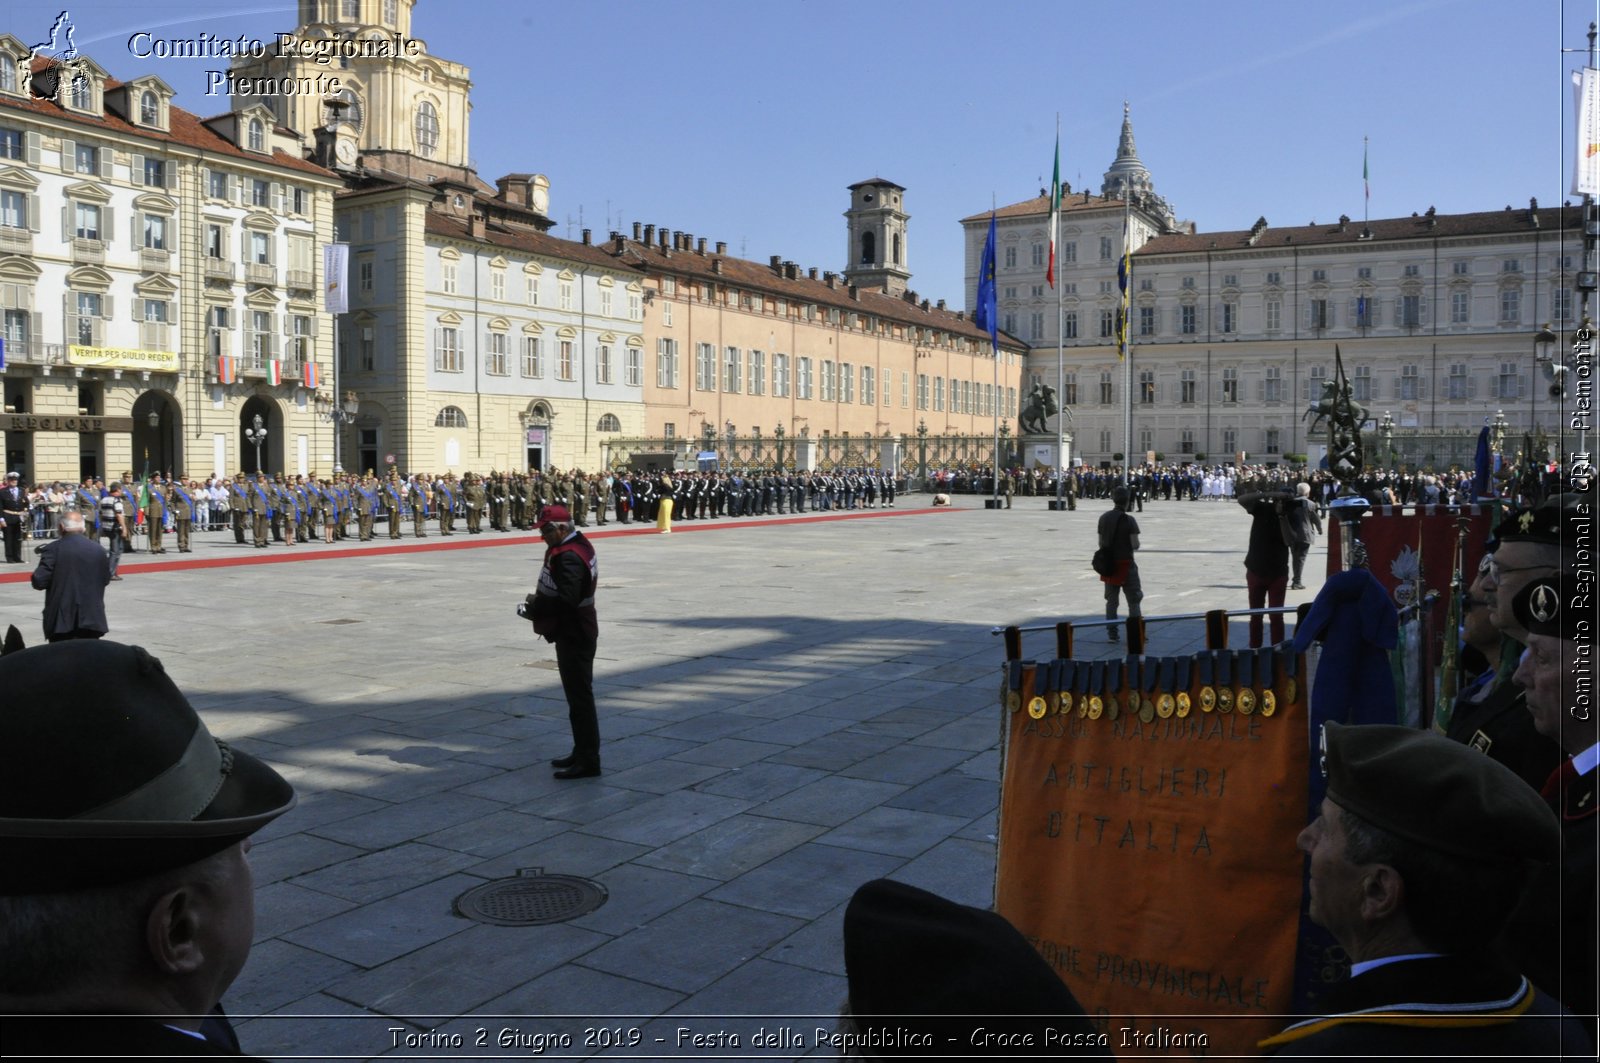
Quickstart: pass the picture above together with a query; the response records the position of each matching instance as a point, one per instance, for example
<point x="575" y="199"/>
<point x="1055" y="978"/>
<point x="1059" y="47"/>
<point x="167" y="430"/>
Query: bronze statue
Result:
<point x="1345" y="419"/>
<point x="1039" y="406"/>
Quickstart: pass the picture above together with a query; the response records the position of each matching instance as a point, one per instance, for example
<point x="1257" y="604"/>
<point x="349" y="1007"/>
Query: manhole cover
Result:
<point x="533" y="898"/>
<point x="341" y="620"/>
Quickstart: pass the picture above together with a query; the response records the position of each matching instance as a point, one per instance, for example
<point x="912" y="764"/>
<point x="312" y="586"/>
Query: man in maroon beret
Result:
<point x="126" y="902"/>
<point x="562" y="610"/>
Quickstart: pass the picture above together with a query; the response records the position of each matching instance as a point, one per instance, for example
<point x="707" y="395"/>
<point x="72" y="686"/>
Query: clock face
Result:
<point x="541" y="200"/>
<point x="345" y="150"/>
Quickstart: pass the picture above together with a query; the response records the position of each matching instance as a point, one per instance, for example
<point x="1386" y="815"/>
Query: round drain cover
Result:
<point x="533" y="898"/>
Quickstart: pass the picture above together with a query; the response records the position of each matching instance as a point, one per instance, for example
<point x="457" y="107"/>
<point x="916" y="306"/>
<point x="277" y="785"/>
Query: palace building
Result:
<point x="1233" y="333"/>
<point x="160" y="279"/>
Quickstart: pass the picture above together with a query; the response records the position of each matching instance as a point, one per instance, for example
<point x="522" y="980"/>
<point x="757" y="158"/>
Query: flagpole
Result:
<point x="1127" y="354"/>
<point x="994" y="353"/>
<point x="1061" y="330"/>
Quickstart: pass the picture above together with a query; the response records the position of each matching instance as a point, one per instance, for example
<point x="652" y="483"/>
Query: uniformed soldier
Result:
<point x="420" y="496"/>
<point x="393" y="502"/>
<point x="181" y="501"/>
<point x="475" y="498"/>
<point x="444" y="498"/>
<point x="261" y="510"/>
<point x="238" y="506"/>
<point x="155" y="513"/>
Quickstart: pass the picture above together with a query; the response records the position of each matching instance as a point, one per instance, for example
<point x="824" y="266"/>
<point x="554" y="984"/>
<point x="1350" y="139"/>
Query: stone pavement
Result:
<point x="789" y="710"/>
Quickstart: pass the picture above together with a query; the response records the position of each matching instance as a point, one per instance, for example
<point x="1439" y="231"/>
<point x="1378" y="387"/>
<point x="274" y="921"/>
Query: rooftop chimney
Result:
<point x="790" y="271"/>
<point x="722" y="247"/>
<point x="649" y="234"/>
<point x="813" y="272"/>
<point x="700" y="246"/>
<point x="775" y="261"/>
<point x="855" y="292"/>
<point x="617" y="243"/>
<point x="476" y="227"/>
<point x="637" y="234"/>
<point x="830" y="279"/>
<point x="587" y="234"/>
<point x="716" y="265"/>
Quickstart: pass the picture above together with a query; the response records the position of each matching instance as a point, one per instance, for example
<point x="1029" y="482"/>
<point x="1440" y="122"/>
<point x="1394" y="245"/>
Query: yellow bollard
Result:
<point x="664" y="516"/>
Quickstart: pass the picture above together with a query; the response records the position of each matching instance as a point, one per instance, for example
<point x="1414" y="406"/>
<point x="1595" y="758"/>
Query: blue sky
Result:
<point x="745" y="122"/>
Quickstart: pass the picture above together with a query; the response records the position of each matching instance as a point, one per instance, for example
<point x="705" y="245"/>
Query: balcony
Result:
<point x="88" y="251"/>
<point x="303" y="280"/>
<point x="219" y="269"/>
<point x="153" y="260"/>
<point x="263" y="273"/>
<point x="15" y="241"/>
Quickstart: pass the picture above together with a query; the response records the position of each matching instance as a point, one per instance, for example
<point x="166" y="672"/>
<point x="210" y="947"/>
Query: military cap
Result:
<point x="910" y="954"/>
<point x="1538" y="607"/>
<point x="555" y="515"/>
<point x="1437" y="793"/>
<point x="1543" y="522"/>
<point x="116" y="781"/>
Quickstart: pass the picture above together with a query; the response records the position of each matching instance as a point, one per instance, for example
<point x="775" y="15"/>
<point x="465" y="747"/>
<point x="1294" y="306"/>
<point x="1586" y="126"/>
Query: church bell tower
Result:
<point x="876" y="255"/>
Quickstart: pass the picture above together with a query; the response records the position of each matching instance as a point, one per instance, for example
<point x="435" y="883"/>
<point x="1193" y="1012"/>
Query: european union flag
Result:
<point x="1481" y="467"/>
<point x="985" y="314"/>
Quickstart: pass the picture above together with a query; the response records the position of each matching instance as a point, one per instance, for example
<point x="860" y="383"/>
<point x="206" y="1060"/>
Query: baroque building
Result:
<point x="159" y="277"/>
<point x="1232" y="334"/>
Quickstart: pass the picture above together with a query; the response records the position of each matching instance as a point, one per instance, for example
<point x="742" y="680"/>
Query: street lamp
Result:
<point x="257" y="434"/>
<point x="154" y="419"/>
<point x="777" y="431"/>
<point x="922" y="452"/>
<point x="1497" y="432"/>
<point x="1544" y="355"/>
<point x="1386" y="433"/>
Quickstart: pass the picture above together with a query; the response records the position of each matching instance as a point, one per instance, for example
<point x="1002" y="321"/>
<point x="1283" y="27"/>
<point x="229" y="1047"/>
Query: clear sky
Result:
<point x="745" y="121"/>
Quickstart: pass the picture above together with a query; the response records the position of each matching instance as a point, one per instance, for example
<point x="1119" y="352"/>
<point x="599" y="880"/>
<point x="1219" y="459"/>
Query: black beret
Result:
<point x="116" y="781"/>
<point x="1537" y="607"/>
<point x="1556" y="521"/>
<point x="1441" y="794"/>
<point x="911" y="955"/>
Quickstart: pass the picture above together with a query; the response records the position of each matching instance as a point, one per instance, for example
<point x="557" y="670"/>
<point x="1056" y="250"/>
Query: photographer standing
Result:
<point x="1302" y="527"/>
<point x="563" y="613"/>
<point x="1266" y="562"/>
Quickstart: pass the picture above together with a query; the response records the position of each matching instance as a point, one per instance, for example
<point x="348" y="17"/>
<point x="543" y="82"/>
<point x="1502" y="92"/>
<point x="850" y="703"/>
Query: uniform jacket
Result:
<point x="567" y="583"/>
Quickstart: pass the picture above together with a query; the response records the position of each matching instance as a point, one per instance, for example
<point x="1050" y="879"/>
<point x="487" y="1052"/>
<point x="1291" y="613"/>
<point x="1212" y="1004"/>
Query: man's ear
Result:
<point x="1383" y="893"/>
<point x="172" y="930"/>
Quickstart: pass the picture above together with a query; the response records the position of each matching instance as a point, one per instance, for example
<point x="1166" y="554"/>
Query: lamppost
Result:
<point x="257" y="434"/>
<point x="777" y="431"/>
<point x="1497" y="432"/>
<point x="922" y="452"/>
<point x="1386" y="433"/>
<point x="1544" y="356"/>
<point x="1005" y="442"/>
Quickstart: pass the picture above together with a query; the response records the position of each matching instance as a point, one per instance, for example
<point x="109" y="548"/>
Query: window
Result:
<point x="565" y="366"/>
<point x="609" y="422"/>
<point x="1188" y="283"/>
<point x="1361" y="386"/>
<point x="1011" y="258"/>
<point x="1510" y="306"/>
<point x="1107" y="324"/>
<point x="364" y="274"/>
<point x="497" y="284"/>
<point x="533" y="289"/>
<point x="218" y="331"/>
<point x="261" y="249"/>
<point x="260" y="193"/>
<point x="217" y="184"/>
<point x="1409" y="384"/>
<point x="1037" y="255"/>
<point x="888" y="387"/>
<point x="802" y="377"/>
<point x="86" y="159"/>
<point x="447" y="350"/>
<point x="1036" y="326"/>
<point x="1230" y="315"/>
<point x="1186" y="389"/>
<point x="633" y="358"/>
<point x="391" y="17"/>
<point x="1511" y="265"/>
<point x="938" y="394"/>
<point x="532" y="357"/>
<point x="149" y="110"/>
<point x="427" y="130"/>
<point x="1320" y="314"/>
<point x="81" y="97"/>
<point x="1460" y="269"/>
<point x="666" y="314"/>
<point x="605" y="302"/>
<point x="366" y="349"/>
<point x="757" y="376"/>
<point x="847" y="382"/>
<point x="1272" y="386"/>
<point x="86" y="217"/>
<point x="8" y="74"/>
<point x="1319" y="276"/>
<point x="829" y="384"/>
<point x="1456" y="384"/>
<point x="602" y="364"/>
<point x="1410" y="311"/>
<point x="666" y="363"/>
<point x="1274" y="315"/>
<point x="1230" y="384"/>
<point x="1009" y="324"/>
<point x="1070" y="397"/>
<point x="1230" y="441"/>
<point x="495" y="355"/>
<point x="1147" y="387"/>
<point x="731" y="364"/>
<point x="1106" y="392"/>
<point x="1187" y="319"/>
<point x="259" y="340"/>
<point x="256" y="139"/>
<point x="1105" y="440"/>
<point x="350" y="10"/>
<point x="1317" y="377"/>
<point x="300" y="336"/>
<point x="705" y="367"/>
<point x="1460" y="306"/>
<point x="450" y="417"/>
<point x="1271" y="440"/>
<point x="922" y="391"/>
<point x="1561" y="304"/>
<point x="1230" y="280"/>
<point x="1275" y="279"/>
<point x="1070" y="325"/>
<point x="1105" y="249"/>
<point x="87" y="327"/>
<point x="1508" y="385"/>
<point x="10" y="144"/>
<point x="869" y="386"/>
<point x="566" y="295"/>
<point x="13" y="209"/>
<point x="780" y="376"/>
<point x="1147" y="321"/>
<point x="1364" y="273"/>
<point x="155" y="233"/>
<point x="635" y="310"/>
<point x="1186" y="440"/>
<point x="447" y="277"/>
<point x="1413" y="271"/>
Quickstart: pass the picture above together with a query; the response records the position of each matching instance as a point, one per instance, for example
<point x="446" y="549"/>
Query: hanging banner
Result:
<point x="1148" y="816"/>
<point x="1586" y="154"/>
<point x="335" y="280"/>
<point x="123" y="358"/>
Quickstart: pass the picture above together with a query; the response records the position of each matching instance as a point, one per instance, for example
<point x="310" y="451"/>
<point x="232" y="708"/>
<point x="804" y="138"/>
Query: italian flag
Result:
<point x="1055" y="214"/>
<point x="274" y="372"/>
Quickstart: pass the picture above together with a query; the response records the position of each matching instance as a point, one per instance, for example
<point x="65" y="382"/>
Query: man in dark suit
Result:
<point x="73" y="572"/>
<point x="126" y="899"/>
<point x="563" y="613"/>
<point x="14" y="507"/>
<point x="1419" y="851"/>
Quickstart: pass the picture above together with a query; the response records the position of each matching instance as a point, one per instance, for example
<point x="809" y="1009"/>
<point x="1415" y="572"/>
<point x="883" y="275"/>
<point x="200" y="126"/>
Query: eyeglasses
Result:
<point x="1496" y="570"/>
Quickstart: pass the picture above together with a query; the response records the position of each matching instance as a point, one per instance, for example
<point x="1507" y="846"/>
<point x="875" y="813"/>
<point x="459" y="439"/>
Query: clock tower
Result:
<point x="876" y="221"/>
<point x="397" y="109"/>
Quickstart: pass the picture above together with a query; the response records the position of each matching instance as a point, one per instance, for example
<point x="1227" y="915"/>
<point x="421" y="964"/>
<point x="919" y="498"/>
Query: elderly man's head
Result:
<point x="71" y="522"/>
<point x="1560" y="640"/>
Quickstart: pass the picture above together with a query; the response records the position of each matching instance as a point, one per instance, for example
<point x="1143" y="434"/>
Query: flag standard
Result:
<point x="309" y="377"/>
<point x="984" y="315"/>
<point x="274" y="372"/>
<point x="335" y="267"/>
<point x="1366" y="182"/>
<point x="227" y="369"/>
<point x="1055" y="214"/>
<point x="1124" y="278"/>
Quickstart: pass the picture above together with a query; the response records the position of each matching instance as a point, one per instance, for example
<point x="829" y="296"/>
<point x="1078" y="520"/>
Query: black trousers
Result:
<point x="13" y="537"/>
<point x="575" y="661"/>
